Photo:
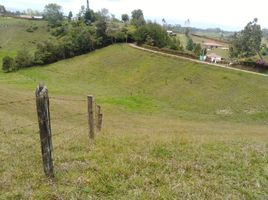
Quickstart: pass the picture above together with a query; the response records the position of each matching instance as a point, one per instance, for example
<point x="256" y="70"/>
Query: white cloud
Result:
<point x="227" y="13"/>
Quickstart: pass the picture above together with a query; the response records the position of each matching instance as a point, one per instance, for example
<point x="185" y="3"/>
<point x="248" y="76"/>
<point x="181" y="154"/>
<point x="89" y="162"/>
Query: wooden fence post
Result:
<point x="42" y="106"/>
<point x="99" y="118"/>
<point x="90" y="102"/>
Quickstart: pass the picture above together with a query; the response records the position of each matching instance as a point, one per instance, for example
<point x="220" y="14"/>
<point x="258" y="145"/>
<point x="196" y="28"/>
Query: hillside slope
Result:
<point x="14" y="35"/>
<point x="121" y="76"/>
<point x="173" y="129"/>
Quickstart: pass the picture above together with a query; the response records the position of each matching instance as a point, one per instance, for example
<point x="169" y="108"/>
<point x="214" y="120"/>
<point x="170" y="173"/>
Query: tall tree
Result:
<point x="190" y="44"/>
<point x="70" y="16"/>
<point x="247" y="42"/>
<point x="2" y="9"/>
<point x="53" y="14"/>
<point x="137" y="18"/>
<point x="8" y="64"/>
<point x="125" y="18"/>
<point x="152" y="34"/>
<point x="88" y="16"/>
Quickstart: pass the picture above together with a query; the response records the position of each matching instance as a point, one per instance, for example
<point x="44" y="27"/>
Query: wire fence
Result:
<point x="31" y="124"/>
<point x="67" y="124"/>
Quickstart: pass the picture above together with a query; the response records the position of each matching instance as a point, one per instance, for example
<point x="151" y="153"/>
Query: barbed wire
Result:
<point x="15" y="102"/>
<point x="69" y="139"/>
<point x="67" y="117"/>
<point x="66" y="99"/>
<point x="34" y="98"/>
<point x="20" y="127"/>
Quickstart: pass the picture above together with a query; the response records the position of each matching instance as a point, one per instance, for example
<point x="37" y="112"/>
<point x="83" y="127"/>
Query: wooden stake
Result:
<point x="99" y="118"/>
<point x="91" y="117"/>
<point x="42" y="106"/>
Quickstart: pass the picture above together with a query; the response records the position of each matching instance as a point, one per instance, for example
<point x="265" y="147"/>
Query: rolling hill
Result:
<point x="14" y="35"/>
<point x="172" y="129"/>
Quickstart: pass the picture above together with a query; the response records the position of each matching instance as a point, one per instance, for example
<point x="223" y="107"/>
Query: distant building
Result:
<point x="38" y="17"/>
<point x="171" y="33"/>
<point x="26" y="16"/>
<point x="31" y="17"/>
<point x="211" y="45"/>
<point x="213" y="58"/>
<point x="225" y="48"/>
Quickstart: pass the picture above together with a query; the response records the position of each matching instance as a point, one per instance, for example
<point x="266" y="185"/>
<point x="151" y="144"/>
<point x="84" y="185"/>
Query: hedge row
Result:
<point x="170" y="51"/>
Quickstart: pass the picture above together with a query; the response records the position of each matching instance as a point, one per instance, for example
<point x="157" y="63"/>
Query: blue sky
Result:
<point x="226" y="14"/>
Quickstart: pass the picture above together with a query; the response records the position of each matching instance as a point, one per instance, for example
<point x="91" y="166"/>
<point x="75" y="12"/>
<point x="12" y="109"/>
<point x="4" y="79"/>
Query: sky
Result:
<point x="230" y="15"/>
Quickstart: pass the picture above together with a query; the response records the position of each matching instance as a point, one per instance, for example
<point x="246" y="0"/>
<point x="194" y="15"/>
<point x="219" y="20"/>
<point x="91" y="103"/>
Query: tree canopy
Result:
<point x="247" y="42"/>
<point x="152" y="34"/>
<point x="2" y="9"/>
<point x="137" y="18"/>
<point x="53" y="14"/>
<point x="125" y="18"/>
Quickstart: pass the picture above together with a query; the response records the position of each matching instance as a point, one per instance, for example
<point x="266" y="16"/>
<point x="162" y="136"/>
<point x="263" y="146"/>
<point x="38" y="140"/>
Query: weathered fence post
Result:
<point x="99" y="116"/>
<point x="42" y="106"/>
<point x="90" y="102"/>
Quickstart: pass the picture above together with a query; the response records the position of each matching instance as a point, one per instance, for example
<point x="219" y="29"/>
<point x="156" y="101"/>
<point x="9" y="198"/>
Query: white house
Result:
<point x="214" y="58"/>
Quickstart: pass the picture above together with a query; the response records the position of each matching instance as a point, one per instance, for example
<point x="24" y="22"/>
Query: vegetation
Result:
<point x="247" y="43"/>
<point x="152" y="34"/>
<point x="14" y="36"/>
<point x="125" y="18"/>
<point x="137" y="18"/>
<point x="8" y="64"/>
<point x="53" y="14"/>
<point x="190" y="44"/>
<point x="92" y="30"/>
<point x="172" y="129"/>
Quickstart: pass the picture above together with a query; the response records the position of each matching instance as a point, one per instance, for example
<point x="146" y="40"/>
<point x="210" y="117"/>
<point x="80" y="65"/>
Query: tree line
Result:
<point x="91" y="30"/>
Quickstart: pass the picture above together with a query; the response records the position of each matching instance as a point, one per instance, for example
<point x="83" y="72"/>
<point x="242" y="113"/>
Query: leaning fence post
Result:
<point x="42" y="106"/>
<point x="90" y="116"/>
<point x="99" y="118"/>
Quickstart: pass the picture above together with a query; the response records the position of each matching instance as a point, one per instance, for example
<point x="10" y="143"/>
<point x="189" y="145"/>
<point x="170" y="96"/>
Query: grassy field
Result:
<point x="201" y="40"/>
<point x="14" y="37"/>
<point x="172" y="130"/>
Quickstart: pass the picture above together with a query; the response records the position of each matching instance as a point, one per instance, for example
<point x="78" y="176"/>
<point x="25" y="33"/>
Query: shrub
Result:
<point x="23" y="59"/>
<point x="153" y="34"/>
<point x="8" y="64"/>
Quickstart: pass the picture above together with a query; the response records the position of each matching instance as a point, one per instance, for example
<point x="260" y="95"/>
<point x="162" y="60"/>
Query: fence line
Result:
<point x="67" y="99"/>
<point x="15" y="102"/>
<point x="20" y="127"/>
<point x="92" y="120"/>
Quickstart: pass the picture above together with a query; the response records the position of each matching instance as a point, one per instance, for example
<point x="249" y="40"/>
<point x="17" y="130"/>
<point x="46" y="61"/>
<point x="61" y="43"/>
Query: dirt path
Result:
<point x="196" y="61"/>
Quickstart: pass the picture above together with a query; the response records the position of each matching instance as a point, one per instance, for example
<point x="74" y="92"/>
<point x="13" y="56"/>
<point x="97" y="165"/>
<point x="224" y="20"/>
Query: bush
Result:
<point x="190" y="44"/>
<point x="23" y="59"/>
<point x="152" y="34"/>
<point x="8" y="64"/>
<point x="169" y="51"/>
<point x="32" y="29"/>
<point x="175" y="44"/>
<point x="48" y="52"/>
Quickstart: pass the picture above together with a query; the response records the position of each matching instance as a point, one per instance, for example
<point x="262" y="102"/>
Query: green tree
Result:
<point x="2" y="10"/>
<point x="8" y="64"/>
<point x="125" y="18"/>
<point x="190" y="44"/>
<point x="23" y="59"/>
<point x="137" y="18"/>
<point x="70" y="16"/>
<point x="247" y="42"/>
<point x="175" y="44"/>
<point x="101" y="27"/>
<point x="48" y="52"/>
<point x="153" y="34"/>
<point x="197" y="49"/>
<point x="53" y="14"/>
